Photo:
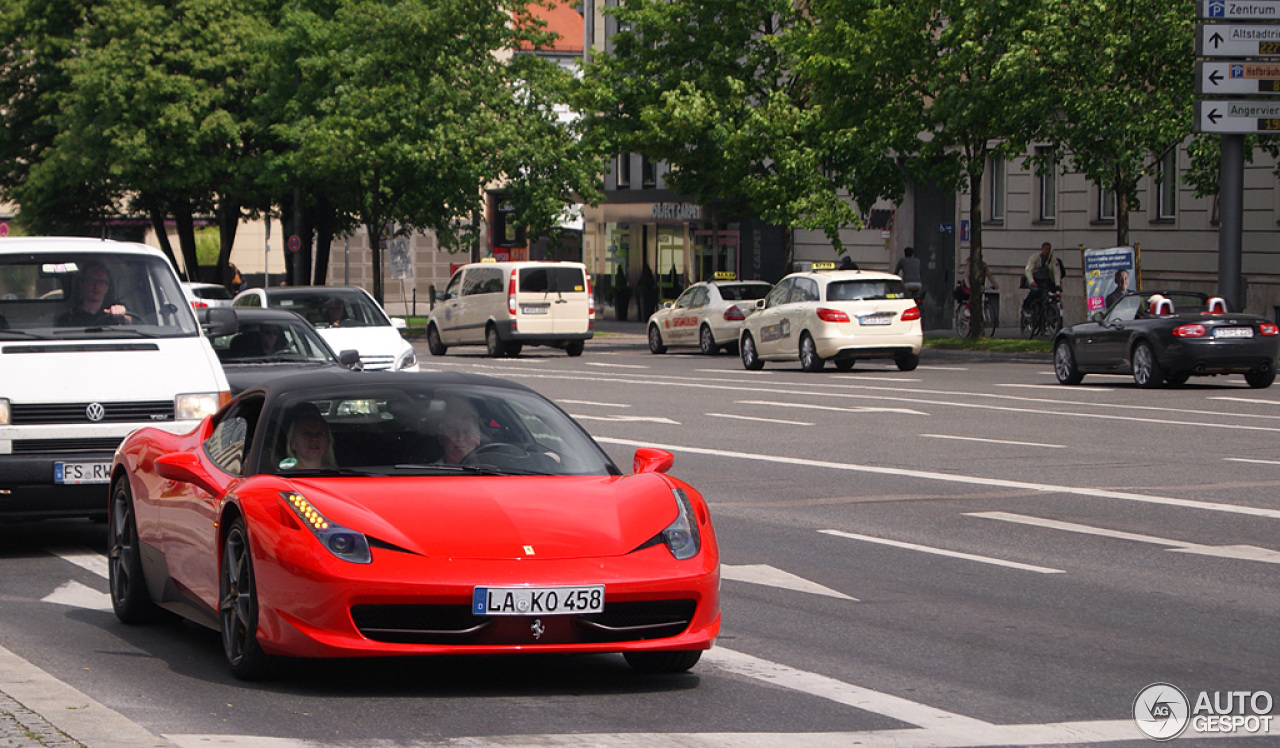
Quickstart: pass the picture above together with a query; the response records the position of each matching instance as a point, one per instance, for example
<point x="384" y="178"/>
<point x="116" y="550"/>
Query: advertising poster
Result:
<point x="1108" y="273"/>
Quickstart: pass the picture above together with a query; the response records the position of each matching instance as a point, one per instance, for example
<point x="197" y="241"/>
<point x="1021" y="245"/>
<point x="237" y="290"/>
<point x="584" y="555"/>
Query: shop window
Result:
<point x="995" y="189"/>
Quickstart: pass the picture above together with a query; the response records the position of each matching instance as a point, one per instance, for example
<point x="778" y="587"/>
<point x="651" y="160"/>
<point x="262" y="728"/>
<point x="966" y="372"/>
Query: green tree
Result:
<point x="407" y="109"/>
<point x="156" y="115"/>
<point x="961" y="78"/>
<point x="1124" y="79"/>
<point x="714" y="88"/>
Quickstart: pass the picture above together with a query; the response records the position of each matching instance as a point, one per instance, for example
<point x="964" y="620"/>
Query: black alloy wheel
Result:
<point x="1146" y="369"/>
<point x="238" y="607"/>
<point x="1064" y="363"/>
<point x="125" y="578"/>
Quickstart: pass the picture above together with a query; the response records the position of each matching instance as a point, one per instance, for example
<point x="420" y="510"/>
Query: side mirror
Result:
<point x="760" y="303"/>
<point x="350" y="358"/>
<point x="651" y="460"/>
<point x="441" y="296"/>
<point x="217" y="321"/>
<point x="1097" y="317"/>
<point x="667" y="304"/>
<point x="399" y="323"/>
<point x="185" y="467"/>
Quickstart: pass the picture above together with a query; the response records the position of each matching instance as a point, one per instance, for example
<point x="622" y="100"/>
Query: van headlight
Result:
<point x="4" y="411"/>
<point x="195" y="406"/>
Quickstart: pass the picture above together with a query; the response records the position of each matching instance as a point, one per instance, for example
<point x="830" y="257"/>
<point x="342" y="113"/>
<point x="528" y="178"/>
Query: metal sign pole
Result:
<point x="1231" y="220"/>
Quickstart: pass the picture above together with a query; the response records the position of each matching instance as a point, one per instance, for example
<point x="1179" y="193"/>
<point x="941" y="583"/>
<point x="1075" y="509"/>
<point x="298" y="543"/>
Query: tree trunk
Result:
<point x="324" y="238"/>
<point x="976" y="279"/>
<point x="162" y="233"/>
<point x="228" y="222"/>
<point x="187" y="239"/>
<point x="373" y="223"/>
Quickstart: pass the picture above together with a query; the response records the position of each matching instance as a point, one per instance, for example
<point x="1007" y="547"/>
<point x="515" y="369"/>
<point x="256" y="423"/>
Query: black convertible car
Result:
<point x="1168" y="336"/>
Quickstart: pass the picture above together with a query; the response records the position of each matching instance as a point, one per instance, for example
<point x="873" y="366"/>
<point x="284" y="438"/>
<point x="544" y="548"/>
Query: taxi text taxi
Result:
<point x="708" y="315"/>
<point x="841" y="315"/>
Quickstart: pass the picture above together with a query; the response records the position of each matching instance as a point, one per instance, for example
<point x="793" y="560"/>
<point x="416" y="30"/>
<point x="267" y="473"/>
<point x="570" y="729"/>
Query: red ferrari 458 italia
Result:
<point x="351" y="514"/>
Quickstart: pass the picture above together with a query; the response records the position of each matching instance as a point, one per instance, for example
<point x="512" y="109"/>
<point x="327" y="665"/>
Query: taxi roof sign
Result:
<point x="823" y="266"/>
<point x="725" y="275"/>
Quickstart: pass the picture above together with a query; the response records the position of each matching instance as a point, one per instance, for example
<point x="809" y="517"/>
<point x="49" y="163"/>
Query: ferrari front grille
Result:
<point x="455" y="624"/>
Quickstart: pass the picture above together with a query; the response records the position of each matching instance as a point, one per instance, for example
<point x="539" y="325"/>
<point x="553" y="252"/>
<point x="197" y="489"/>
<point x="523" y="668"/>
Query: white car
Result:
<point x="708" y="315"/>
<point x="206" y="295"/>
<point x="346" y="317"/>
<point x="837" y="315"/>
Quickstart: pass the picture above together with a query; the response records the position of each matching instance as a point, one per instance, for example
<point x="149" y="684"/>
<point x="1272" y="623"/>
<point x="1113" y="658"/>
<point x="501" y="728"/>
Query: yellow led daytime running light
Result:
<point x="309" y="513"/>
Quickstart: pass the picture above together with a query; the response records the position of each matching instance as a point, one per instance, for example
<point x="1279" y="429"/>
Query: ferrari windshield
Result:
<point x="423" y="428"/>
<point x="45" y="295"/>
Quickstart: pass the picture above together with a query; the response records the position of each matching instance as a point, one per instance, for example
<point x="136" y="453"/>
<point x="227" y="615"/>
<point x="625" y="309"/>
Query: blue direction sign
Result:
<point x="1238" y="40"/>
<point x="1239" y="116"/>
<point x="1231" y="77"/>
<point x="1244" y="10"/>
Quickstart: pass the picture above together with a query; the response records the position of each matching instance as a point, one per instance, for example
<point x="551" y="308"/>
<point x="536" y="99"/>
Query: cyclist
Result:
<point x="1043" y="274"/>
<point x="908" y="269"/>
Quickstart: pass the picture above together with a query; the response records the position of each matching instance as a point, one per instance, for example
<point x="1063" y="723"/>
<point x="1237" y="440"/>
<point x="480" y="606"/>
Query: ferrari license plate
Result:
<point x="75" y="473"/>
<point x="533" y="310"/>
<point x="1233" y="332"/>
<point x="537" y="601"/>
<point x="880" y="318"/>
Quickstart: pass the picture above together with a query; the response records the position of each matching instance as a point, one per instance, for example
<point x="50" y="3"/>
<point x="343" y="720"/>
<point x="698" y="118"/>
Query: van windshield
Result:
<point x="552" y="279"/>
<point x="55" y="295"/>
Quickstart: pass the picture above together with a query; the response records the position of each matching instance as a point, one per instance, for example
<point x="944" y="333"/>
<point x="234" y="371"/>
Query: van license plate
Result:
<point x="537" y="601"/>
<point x="76" y="473"/>
<point x="533" y="310"/>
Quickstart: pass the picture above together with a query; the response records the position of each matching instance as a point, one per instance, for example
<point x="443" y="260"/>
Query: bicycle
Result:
<point x="963" y="317"/>
<point x="1044" y="317"/>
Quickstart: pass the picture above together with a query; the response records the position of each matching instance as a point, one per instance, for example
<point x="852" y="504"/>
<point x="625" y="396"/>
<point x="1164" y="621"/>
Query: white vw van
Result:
<point x="96" y="340"/>
<point x="508" y="305"/>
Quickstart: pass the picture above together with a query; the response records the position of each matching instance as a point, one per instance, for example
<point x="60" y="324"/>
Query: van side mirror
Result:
<point x="217" y="321"/>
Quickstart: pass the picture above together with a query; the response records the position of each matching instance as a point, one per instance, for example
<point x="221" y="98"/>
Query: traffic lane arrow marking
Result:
<point x="1238" y="552"/>
<point x="773" y="577"/>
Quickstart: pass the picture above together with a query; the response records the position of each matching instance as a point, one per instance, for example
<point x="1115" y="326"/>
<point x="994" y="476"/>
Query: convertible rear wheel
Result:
<point x="125" y="577"/>
<point x="1064" y="364"/>
<point x="238" y="607"/>
<point x="662" y="662"/>
<point x="1146" y="369"/>
<point x="1260" y="379"/>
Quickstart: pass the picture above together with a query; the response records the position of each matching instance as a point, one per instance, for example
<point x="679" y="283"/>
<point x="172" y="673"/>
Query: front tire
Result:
<point x="662" y="663"/>
<point x="434" y="343"/>
<point x="1146" y="369"/>
<point x="707" y="342"/>
<point x="962" y="320"/>
<point x="1064" y="364"/>
<point x="750" y="359"/>
<point x="1260" y="379"/>
<point x="1026" y="324"/>
<point x="809" y="358"/>
<point x="655" y="340"/>
<point x="238" y="607"/>
<point x="128" y="584"/>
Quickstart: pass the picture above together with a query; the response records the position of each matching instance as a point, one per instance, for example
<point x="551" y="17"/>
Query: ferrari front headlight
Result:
<point x="344" y="543"/>
<point x="682" y="537"/>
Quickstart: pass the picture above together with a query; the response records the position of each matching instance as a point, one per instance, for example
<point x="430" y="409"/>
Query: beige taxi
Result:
<point x="708" y="315"/>
<point x="834" y="315"/>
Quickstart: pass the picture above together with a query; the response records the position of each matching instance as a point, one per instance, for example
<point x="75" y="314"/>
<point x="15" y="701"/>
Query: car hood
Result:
<point x="507" y="517"/>
<point x="383" y="340"/>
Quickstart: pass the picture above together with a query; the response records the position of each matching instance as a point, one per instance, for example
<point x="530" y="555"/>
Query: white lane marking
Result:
<point x="1249" y="400"/>
<point x="772" y="577"/>
<point x="993" y="441"/>
<point x="836" y="408"/>
<point x="943" y="552"/>
<point x="1255" y="462"/>
<point x="627" y="419"/>
<point x="601" y="405"/>
<point x="1050" y="386"/>
<point x="1096" y="493"/>
<point x="763" y="420"/>
<point x="822" y="686"/>
<point x="1238" y="552"/>
<point x="945" y="368"/>
<point x="94" y="562"/>
<point x="77" y="595"/>
<point x="894" y="394"/>
<point x="620" y="366"/>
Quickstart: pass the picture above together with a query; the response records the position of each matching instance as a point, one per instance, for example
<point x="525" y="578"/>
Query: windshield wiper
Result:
<point x="464" y="469"/>
<point x="329" y="472"/>
<point x="24" y="334"/>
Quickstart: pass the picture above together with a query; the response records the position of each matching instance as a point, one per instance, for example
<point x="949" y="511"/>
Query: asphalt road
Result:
<point x="967" y="554"/>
